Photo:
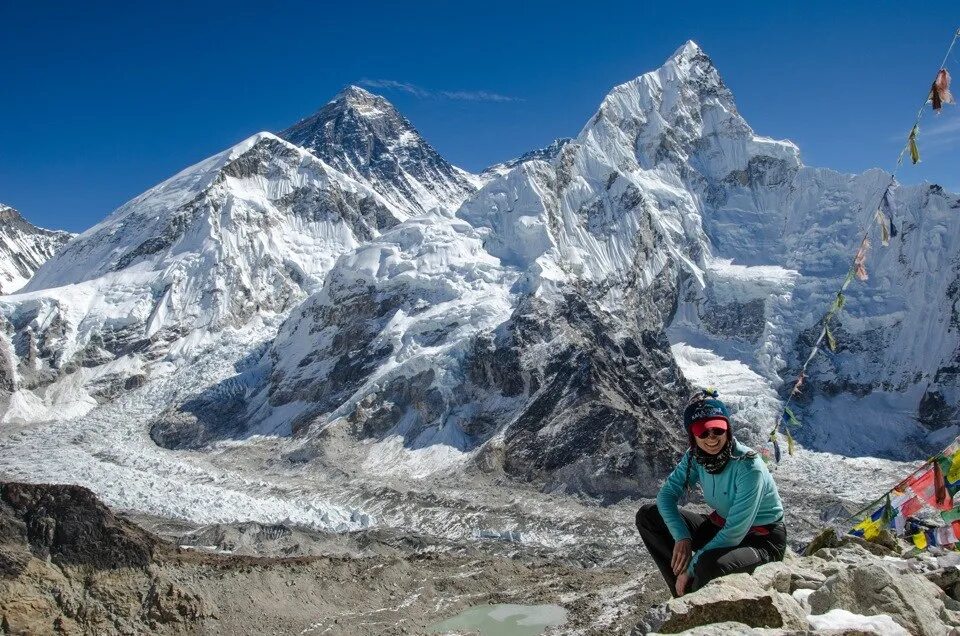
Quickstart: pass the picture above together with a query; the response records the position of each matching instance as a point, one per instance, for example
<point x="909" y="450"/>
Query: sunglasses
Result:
<point x="711" y="432"/>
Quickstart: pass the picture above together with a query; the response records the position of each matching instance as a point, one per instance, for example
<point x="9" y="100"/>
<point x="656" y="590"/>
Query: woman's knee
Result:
<point x="647" y="516"/>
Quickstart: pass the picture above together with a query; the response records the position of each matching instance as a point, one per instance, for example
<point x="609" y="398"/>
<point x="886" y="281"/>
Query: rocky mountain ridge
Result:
<point x="24" y="248"/>
<point x="362" y="135"/>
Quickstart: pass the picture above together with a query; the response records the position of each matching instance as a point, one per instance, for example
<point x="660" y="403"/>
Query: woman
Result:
<point x="746" y="528"/>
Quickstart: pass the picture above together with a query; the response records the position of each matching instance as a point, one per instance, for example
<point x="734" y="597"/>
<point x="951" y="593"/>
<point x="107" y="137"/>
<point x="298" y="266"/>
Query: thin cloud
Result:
<point x="945" y="132"/>
<point x="943" y="129"/>
<point x="425" y="93"/>
<point x="414" y="90"/>
<point x="478" y="96"/>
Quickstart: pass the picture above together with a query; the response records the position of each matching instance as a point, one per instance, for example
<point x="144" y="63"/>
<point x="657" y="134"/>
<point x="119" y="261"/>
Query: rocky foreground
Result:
<point x="69" y="565"/>
<point x="843" y="586"/>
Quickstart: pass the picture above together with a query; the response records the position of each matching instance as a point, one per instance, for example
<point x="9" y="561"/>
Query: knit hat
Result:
<point x="705" y="406"/>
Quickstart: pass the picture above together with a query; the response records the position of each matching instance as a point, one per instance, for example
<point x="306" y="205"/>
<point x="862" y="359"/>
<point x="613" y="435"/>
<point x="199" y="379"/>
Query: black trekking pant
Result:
<point x="753" y="551"/>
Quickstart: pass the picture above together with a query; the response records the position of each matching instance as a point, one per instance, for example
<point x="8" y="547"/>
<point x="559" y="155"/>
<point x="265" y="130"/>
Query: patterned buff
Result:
<point x="714" y="464"/>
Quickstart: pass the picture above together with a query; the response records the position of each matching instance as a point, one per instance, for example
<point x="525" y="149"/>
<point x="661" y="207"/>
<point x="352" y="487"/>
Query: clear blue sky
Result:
<point x="102" y="100"/>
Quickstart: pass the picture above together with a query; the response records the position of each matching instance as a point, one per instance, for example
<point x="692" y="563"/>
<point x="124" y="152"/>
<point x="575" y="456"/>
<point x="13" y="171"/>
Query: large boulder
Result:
<point x="870" y="588"/>
<point x="738" y="598"/>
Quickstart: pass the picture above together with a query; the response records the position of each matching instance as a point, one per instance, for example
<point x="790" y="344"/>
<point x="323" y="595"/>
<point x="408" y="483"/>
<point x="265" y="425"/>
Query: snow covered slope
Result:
<point x="545" y="330"/>
<point x="363" y="136"/>
<point x="543" y="154"/>
<point x="23" y="248"/>
<point x="541" y="330"/>
<point x="248" y="232"/>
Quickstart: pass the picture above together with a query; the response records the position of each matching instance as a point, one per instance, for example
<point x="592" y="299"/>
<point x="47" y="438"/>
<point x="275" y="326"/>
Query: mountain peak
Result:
<point x="354" y="92"/>
<point x="673" y="113"/>
<point x="688" y="51"/>
<point x="361" y="101"/>
<point x="362" y="135"/>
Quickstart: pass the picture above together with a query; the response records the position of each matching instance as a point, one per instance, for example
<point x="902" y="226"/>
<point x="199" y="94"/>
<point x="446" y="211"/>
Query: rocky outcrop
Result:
<point x="843" y="584"/>
<point x="869" y="588"/>
<point x="69" y="565"/>
<point x="738" y="598"/>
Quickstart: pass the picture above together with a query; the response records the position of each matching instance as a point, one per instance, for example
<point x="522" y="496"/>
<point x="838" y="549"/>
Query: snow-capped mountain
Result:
<point x="542" y="330"/>
<point x="363" y="136"/>
<point x="23" y="248"/>
<point x="244" y="234"/>
<point x="543" y="154"/>
<point x="546" y="329"/>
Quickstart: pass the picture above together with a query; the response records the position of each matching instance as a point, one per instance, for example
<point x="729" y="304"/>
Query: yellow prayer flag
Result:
<point x="912" y="143"/>
<point x="920" y="540"/>
<point x="954" y="473"/>
<point x="870" y="527"/>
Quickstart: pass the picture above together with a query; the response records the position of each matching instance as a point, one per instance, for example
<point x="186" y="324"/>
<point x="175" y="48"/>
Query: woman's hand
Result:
<point x="682" y="552"/>
<point x="683" y="581"/>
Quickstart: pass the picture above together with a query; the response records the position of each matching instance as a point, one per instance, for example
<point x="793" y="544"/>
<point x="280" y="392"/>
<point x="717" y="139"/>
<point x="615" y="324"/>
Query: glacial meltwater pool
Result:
<point x="504" y="620"/>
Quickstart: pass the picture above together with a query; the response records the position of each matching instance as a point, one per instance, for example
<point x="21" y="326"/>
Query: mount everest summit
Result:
<point x="363" y="136"/>
<point x="543" y="320"/>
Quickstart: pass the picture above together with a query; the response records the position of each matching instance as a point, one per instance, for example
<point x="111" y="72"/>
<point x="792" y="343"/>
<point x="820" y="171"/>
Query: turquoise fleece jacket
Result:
<point x="743" y="493"/>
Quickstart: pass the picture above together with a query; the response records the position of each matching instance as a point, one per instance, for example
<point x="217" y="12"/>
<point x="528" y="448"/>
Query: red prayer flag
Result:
<point x="910" y="507"/>
<point x="925" y="487"/>
<point x="939" y="486"/>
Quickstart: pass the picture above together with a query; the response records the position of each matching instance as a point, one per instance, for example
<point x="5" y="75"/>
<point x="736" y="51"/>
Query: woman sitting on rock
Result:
<point x="745" y="529"/>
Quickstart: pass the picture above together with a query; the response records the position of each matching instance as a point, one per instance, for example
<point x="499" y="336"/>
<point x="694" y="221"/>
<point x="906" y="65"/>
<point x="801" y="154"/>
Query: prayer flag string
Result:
<point x="938" y="95"/>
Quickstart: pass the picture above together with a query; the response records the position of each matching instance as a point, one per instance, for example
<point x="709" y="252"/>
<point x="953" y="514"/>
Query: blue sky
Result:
<point x="102" y="100"/>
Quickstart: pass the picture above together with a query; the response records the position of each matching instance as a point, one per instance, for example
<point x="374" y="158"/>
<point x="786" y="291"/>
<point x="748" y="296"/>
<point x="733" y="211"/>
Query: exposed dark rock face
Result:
<point x="601" y="412"/>
<point x="71" y="527"/>
<point x="763" y="172"/>
<point x="935" y="412"/>
<point x="739" y="321"/>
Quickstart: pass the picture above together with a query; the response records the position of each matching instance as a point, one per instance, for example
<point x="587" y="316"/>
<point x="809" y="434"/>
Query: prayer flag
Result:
<point x="949" y="464"/>
<point x="860" y="260"/>
<point x="841" y="299"/>
<point x="924" y="486"/>
<point x="884" y="228"/>
<point x="940" y="91"/>
<point x="945" y="535"/>
<point x="831" y="342"/>
<point x="912" y="142"/>
<point x="920" y="540"/>
<point x="940" y="488"/>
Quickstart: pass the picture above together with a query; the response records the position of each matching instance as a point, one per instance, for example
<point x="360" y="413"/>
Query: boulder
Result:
<point x="883" y="545"/>
<point x="788" y="577"/>
<point x="737" y="598"/>
<point x="870" y="589"/>
<point x="947" y="579"/>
